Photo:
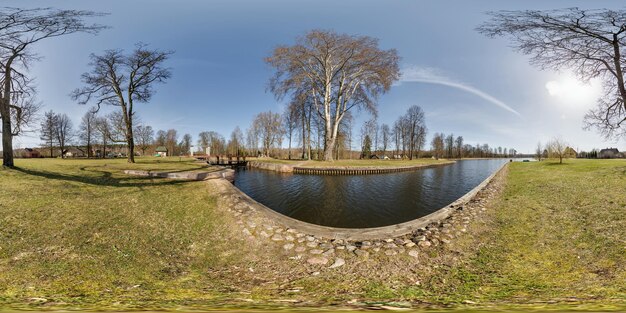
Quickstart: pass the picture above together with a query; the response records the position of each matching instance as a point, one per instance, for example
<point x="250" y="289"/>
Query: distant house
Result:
<point x="379" y="157"/>
<point x="161" y="151"/>
<point x="75" y="153"/>
<point x="610" y="153"/>
<point x="26" y="153"/>
<point x="570" y="153"/>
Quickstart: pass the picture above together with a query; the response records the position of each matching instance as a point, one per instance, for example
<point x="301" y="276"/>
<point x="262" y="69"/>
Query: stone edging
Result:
<point x="225" y="173"/>
<point x="339" y="170"/>
<point x="391" y="231"/>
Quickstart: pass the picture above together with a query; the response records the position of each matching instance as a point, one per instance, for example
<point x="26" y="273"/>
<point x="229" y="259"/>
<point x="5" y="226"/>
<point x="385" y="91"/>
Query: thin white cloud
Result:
<point x="431" y="75"/>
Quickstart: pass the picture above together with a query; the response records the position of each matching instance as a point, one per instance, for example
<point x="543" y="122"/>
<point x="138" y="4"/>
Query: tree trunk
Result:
<point x="329" y="143"/>
<point x="131" y="149"/>
<point x="308" y="140"/>
<point x="289" y="146"/>
<point x="5" y="112"/>
<point x="7" y="139"/>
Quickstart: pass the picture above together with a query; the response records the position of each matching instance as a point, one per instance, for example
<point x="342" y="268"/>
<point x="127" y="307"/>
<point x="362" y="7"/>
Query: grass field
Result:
<point x="80" y="234"/>
<point x="557" y="234"/>
<point x="80" y="231"/>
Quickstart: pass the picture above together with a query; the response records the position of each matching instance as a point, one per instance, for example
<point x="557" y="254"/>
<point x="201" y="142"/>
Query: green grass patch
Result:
<point x="80" y="231"/>
<point x="558" y="234"/>
<point x="81" y="234"/>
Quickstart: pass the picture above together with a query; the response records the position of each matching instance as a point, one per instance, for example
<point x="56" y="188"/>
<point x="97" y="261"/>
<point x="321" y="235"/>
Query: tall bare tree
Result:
<point x="213" y="140"/>
<point x="20" y="29"/>
<point x="171" y="142"/>
<point x="269" y="127"/>
<point x="449" y="144"/>
<point x="458" y="144"/>
<point x="236" y="142"/>
<point x="144" y="135"/>
<point x="185" y="144"/>
<point x="337" y="71"/>
<point x="591" y="43"/>
<point x="290" y="122"/>
<point x="64" y="132"/>
<point x="416" y="128"/>
<point x="103" y="130"/>
<point x="121" y="80"/>
<point x="386" y="136"/>
<point x="48" y="130"/>
<point x="159" y="139"/>
<point x="86" y="130"/>
<point x="437" y="145"/>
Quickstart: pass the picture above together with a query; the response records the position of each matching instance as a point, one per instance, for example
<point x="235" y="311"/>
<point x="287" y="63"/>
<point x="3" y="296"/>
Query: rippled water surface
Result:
<point x="361" y="201"/>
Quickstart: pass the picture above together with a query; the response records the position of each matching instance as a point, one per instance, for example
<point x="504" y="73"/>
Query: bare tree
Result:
<point x="121" y="80"/>
<point x="86" y="130"/>
<point x="212" y="140"/>
<point x="252" y="141"/>
<point x="337" y="72"/>
<point x="589" y="42"/>
<point x="290" y="122"/>
<point x="413" y="125"/>
<point x="557" y="148"/>
<point x="48" y="130"/>
<point x="20" y="29"/>
<point x="185" y="144"/>
<point x="144" y="135"/>
<point x="438" y="145"/>
<point x="458" y="142"/>
<point x="103" y="130"/>
<point x="159" y="139"/>
<point x="386" y="136"/>
<point x="236" y="142"/>
<point x="539" y="151"/>
<point x="63" y="132"/>
<point x="171" y="141"/>
<point x="269" y="127"/>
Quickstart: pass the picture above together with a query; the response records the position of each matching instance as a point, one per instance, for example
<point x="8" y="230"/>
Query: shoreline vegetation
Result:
<point x="79" y="234"/>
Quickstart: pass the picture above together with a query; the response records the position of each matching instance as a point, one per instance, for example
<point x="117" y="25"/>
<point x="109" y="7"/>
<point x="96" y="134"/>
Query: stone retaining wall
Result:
<point x="391" y="231"/>
<point x="343" y="170"/>
<point x="277" y="167"/>
<point x="260" y="225"/>
<point x="225" y="173"/>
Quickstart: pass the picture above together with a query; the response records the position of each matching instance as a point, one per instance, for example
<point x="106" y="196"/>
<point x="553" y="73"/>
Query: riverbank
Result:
<point x="344" y="167"/>
<point x="81" y="234"/>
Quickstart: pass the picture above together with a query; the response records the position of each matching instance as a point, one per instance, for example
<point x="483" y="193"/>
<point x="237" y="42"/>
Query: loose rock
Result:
<point x="317" y="260"/>
<point x="338" y="263"/>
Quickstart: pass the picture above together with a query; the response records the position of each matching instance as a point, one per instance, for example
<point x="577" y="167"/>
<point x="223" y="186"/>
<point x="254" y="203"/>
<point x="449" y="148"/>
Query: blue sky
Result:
<point x="466" y="83"/>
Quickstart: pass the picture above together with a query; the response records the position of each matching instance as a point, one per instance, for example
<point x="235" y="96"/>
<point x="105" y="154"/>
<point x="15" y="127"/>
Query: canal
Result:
<point x="362" y="201"/>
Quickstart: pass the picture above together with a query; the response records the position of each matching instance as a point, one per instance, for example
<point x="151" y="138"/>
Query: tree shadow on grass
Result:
<point x="105" y="178"/>
<point x="556" y="164"/>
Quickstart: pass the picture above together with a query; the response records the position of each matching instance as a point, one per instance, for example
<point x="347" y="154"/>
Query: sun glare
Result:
<point x="571" y="91"/>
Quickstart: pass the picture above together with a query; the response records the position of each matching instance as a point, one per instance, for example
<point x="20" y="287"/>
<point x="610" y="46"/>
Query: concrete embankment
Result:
<point x="339" y="170"/>
<point x="225" y="173"/>
<point x="277" y="167"/>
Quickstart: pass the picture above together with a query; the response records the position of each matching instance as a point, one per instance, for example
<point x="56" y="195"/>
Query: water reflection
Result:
<point x="364" y="200"/>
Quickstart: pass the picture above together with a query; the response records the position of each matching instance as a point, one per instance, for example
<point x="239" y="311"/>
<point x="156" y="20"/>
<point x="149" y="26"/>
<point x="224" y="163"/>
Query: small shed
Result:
<point x="160" y="151"/>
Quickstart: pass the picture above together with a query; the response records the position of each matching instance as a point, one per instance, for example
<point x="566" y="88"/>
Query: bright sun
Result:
<point x="572" y="91"/>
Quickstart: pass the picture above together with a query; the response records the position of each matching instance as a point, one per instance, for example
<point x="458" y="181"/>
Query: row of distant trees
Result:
<point x="325" y="75"/>
<point x="58" y="133"/>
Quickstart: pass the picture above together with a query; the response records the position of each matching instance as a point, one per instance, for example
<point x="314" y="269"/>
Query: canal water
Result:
<point x="362" y="201"/>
